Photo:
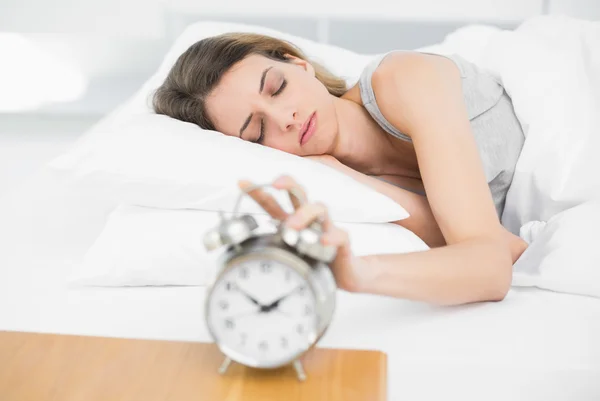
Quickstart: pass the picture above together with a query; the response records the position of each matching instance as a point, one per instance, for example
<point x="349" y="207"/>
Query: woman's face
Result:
<point x="277" y="104"/>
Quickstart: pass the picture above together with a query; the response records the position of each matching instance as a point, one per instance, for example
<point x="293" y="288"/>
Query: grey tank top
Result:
<point x="497" y="131"/>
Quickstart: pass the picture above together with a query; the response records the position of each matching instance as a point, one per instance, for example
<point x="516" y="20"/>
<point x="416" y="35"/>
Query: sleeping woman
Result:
<point x="434" y="133"/>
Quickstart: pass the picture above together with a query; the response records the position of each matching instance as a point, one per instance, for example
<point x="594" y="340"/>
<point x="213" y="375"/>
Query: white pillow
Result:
<point x="137" y="157"/>
<point x="563" y="254"/>
<point x="160" y="162"/>
<point x="142" y="246"/>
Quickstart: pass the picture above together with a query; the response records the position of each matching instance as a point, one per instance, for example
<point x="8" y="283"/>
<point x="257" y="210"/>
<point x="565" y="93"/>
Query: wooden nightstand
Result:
<point x="40" y="367"/>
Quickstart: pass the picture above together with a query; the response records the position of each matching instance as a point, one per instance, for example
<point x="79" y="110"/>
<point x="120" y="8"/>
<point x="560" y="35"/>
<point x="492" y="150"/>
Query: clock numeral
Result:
<point x="284" y="342"/>
<point x="266" y="267"/>
<point x="243" y="338"/>
<point x="300" y="329"/>
<point x="307" y="310"/>
<point x="263" y="346"/>
<point x="223" y="305"/>
<point x="288" y="275"/>
<point x="302" y="290"/>
<point x="230" y="286"/>
<point x="243" y="273"/>
<point x="229" y="324"/>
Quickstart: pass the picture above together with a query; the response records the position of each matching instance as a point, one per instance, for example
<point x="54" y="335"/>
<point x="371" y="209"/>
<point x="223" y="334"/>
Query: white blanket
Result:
<point x="550" y="66"/>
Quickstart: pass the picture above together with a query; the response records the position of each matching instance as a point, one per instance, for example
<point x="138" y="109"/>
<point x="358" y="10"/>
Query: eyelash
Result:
<point x="262" y="123"/>
<point x="281" y="88"/>
<point x="262" y="132"/>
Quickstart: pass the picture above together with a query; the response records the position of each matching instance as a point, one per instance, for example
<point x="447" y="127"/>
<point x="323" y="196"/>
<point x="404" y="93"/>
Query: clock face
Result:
<point x="262" y="313"/>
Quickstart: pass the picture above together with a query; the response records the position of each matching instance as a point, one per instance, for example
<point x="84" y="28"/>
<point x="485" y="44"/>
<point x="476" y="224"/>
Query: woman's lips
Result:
<point x="310" y="129"/>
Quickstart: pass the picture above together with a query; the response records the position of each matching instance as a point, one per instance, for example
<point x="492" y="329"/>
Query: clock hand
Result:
<point x="275" y="303"/>
<point x="263" y="308"/>
<point x="254" y="301"/>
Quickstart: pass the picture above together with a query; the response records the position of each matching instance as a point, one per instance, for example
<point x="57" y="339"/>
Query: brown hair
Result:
<point x="198" y="71"/>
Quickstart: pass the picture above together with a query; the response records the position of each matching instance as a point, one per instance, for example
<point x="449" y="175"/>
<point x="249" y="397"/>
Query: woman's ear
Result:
<point x="305" y="65"/>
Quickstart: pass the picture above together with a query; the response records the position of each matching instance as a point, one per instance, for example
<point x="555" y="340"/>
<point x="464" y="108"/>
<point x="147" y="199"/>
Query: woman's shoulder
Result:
<point x="408" y="66"/>
<point x="379" y="67"/>
<point x="394" y="87"/>
<point x="395" y="67"/>
<point x="406" y="76"/>
<point x="398" y="85"/>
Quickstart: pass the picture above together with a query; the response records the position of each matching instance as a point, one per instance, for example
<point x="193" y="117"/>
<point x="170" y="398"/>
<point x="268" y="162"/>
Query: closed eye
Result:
<point x="261" y="132"/>
<point x="281" y="88"/>
<point x="261" y="135"/>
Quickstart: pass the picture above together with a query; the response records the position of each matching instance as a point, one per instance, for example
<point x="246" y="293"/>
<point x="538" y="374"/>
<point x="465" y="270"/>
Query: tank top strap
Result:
<point x="368" y="98"/>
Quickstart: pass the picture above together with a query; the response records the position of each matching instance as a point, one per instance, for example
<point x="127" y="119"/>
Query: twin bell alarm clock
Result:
<point x="274" y="294"/>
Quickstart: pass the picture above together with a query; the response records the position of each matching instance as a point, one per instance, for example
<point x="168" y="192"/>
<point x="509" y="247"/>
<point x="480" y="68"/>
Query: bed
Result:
<point x="534" y="345"/>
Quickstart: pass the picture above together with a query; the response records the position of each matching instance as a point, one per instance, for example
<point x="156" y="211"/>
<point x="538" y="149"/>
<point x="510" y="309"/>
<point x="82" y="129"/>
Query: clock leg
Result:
<point x="299" y="370"/>
<point x="225" y="365"/>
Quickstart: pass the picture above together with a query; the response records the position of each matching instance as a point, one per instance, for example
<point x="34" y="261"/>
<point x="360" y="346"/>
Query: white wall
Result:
<point x="134" y="18"/>
<point x="587" y="9"/>
<point x="495" y="10"/>
<point x="118" y="44"/>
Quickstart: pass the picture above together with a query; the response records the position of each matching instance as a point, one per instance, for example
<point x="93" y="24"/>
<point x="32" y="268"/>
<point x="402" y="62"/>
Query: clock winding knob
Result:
<point x="230" y="232"/>
<point x="308" y="242"/>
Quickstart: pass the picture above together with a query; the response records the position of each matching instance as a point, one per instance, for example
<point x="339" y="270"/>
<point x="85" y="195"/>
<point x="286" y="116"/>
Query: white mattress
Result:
<point x="535" y="345"/>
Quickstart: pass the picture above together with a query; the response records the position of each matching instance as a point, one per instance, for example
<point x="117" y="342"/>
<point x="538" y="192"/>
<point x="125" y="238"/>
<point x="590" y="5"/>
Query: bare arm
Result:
<point x="421" y="220"/>
<point x="422" y="97"/>
<point x="465" y="272"/>
<point x="421" y="276"/>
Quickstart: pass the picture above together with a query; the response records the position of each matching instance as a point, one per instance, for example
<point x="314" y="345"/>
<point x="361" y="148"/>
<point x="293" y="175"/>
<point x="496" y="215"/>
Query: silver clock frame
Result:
<point x="317" y="275"/>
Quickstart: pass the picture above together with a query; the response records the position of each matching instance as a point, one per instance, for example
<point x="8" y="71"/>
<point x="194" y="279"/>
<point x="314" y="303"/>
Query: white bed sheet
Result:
<point x="535" y="345"/>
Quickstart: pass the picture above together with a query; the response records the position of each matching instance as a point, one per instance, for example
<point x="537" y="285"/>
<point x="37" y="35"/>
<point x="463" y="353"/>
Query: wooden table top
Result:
<point x="44" y="367"/>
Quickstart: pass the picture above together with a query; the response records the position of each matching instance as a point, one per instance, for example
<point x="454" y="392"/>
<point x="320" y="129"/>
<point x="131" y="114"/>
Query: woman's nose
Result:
<point x="289" y="120"/>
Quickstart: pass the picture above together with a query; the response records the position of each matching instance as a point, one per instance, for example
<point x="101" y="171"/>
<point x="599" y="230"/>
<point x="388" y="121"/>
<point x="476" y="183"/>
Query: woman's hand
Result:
<point x="348" y="269"/>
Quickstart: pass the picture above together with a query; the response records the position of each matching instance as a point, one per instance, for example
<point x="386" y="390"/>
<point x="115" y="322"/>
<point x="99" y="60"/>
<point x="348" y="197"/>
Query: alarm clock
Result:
<point x="273" y="296"/>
